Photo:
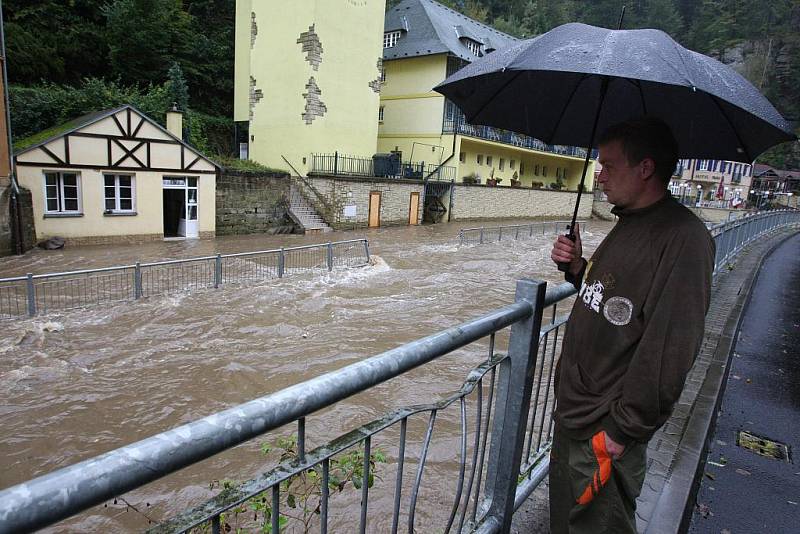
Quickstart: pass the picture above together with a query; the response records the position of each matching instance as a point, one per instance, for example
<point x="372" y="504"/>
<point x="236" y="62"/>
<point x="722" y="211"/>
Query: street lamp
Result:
<point x="699" y="193"/>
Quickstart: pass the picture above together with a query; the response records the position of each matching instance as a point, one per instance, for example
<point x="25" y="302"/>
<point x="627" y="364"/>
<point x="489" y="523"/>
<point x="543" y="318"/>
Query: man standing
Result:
<point x="634" y="331"/>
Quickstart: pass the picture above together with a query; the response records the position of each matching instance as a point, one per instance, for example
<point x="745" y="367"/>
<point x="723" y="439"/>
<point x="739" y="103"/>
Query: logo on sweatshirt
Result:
<point x="617" y="310"/>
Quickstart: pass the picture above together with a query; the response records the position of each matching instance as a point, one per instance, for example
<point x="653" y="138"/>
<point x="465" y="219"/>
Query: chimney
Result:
<point x="175" y="121"/>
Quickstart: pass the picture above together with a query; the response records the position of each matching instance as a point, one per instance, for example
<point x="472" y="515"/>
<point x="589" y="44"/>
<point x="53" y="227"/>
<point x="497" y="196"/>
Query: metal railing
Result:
<point x="502" y="454"/>
<point x="731" y="236"/>
<point x="43" y="293"/>
<point x="493" y="234"/>
<point x="455" y="123"/>
<point x="340" y="164"/>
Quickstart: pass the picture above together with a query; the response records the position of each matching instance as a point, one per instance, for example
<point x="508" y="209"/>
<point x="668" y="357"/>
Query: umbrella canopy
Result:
<point x="550" y="87"/>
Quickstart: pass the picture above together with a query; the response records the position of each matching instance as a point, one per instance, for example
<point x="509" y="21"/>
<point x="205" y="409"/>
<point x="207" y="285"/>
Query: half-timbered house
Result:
<point x="118" y="176"/>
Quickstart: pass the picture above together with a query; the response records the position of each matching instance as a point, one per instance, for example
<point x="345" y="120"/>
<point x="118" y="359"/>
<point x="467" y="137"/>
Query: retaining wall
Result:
<point x="483" y="202"/>
<point x="348" y="198"/>
<point x="252" y="203"/>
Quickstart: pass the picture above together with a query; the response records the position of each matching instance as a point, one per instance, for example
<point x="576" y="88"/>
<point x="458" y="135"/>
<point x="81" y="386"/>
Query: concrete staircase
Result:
<point x="304" y="213"/>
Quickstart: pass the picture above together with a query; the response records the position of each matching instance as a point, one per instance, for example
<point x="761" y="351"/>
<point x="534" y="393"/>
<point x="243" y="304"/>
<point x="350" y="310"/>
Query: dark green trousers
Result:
<point x="590" y="492"/>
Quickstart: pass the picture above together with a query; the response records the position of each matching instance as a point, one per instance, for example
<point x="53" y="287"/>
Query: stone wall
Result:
<point x="253" y="203"/>
<point x="483" y="202"/>
<point x="345" y="194"/>
<point x="7" y="219"/>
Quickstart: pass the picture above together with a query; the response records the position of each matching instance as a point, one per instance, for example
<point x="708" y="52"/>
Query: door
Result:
<point x="374" y="209"/>
<point x="413" y="209"/>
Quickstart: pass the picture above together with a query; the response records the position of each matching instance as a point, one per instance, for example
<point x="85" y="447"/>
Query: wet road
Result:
<point x="743" y="492"/>
<point x="84" y="382"/>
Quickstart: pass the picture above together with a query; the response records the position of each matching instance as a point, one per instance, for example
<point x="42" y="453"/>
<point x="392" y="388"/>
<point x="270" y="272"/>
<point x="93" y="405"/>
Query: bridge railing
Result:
<point x="731" y="236"/>
<point x="501" y="448"/>
<point x="42" y="293"/>
<point x="493" y="234"/>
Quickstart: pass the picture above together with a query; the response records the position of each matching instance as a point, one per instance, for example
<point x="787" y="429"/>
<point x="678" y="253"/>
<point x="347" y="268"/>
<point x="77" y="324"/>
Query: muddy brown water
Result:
<point x="83" y="382"/>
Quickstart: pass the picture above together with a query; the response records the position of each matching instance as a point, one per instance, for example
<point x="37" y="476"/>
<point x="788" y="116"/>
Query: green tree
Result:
<point x="145" y="37"/>
<point x="177" y="90"/>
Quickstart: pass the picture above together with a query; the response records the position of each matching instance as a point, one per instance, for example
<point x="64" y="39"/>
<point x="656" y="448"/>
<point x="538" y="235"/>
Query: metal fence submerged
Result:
<point x="493" y="234"/>
<point x="33" y="294"/>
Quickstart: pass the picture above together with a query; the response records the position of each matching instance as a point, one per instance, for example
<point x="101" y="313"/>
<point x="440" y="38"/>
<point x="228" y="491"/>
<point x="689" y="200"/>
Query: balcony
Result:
<point x="455" y="123"/>
<point x="343" y="165"/>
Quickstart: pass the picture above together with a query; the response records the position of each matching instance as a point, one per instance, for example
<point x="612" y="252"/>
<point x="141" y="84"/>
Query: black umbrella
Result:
<point x="576" y="79"/>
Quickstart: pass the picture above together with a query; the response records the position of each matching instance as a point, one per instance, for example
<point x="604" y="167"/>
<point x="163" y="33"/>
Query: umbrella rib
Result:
<point x="561" y="114"/>
<point x="735" y="131"/>
<point x="489" y="100"/>
<point x="641" y="96"/>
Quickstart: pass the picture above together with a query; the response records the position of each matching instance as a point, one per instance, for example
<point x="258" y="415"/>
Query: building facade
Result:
<point x="424" y="42"/>
<point x="306" y="79"/>
<point x="117" y="176"/>
<point x="710" y="182"/>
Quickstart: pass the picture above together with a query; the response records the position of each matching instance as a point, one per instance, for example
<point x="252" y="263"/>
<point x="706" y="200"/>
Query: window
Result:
<point x="390" y="38"/>
<point x="462" y="157"/>
<point x="502" y="163"/>
<point x="383" y="74"/>
<point x="544" y="171"/>
<point x="489" y="160"/>
<point x="62" y="192"/>
<point x="119" y="193"/>
<point x="479" y="159"/>
<point x="521" y="168"/>
<point x="702" y="165"/>
<point x="380" y="114"/>
<point x="473" y="46"/>
<point x="536" y="169"/>
<point x="511" y="164"/>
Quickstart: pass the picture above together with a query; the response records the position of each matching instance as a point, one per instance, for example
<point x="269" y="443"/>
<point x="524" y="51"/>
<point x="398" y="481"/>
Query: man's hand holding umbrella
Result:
<point x="569" y="252"/>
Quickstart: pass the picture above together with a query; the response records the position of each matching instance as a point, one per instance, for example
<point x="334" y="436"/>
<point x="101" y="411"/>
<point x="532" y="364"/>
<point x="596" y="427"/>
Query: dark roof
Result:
<point x="429" y="28"/>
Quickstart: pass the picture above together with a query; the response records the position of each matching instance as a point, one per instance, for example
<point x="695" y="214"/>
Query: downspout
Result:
<point x="16" y="233"/>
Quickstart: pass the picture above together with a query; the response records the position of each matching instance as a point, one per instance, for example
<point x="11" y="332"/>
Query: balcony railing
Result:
<point x="455" y="122"/>
<point x="337" y="164"/>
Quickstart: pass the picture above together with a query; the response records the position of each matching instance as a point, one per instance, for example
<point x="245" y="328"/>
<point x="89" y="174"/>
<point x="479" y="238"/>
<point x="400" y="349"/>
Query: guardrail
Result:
<point x="493" y="234"/>
<point x="499" y="465"/>
<point x="43" y="293"/>
<point x="731" y="236"/>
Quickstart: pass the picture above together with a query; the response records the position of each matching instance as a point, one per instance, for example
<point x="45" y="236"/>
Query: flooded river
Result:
<point x="83" y="382"/>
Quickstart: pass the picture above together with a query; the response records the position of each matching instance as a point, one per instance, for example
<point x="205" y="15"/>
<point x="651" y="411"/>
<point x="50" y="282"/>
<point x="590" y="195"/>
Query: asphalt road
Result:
<point x="742" y="491"/>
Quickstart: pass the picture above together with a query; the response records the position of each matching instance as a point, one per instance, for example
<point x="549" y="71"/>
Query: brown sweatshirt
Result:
<point x="636" y="325"/>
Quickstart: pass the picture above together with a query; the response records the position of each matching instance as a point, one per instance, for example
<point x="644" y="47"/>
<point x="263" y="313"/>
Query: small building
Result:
<point x="117" y="176"/>
<point x="712" y="182"/>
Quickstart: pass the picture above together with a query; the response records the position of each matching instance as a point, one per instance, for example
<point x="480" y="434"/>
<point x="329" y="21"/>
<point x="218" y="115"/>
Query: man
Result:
<point x="635" y="329"/>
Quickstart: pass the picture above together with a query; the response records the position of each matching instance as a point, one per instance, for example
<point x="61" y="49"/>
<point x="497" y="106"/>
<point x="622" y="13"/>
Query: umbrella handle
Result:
<point x="563" y="266"/>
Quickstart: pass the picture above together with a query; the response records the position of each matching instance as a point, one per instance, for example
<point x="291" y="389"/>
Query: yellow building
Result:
<point x="307" y="79"/>
<point x="118" y="176"/>
<point x="424" y="42"/>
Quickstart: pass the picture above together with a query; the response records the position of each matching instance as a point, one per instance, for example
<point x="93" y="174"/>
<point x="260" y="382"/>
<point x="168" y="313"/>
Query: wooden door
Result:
<point x="413" y="209"/>
<point x="374" y="209"/>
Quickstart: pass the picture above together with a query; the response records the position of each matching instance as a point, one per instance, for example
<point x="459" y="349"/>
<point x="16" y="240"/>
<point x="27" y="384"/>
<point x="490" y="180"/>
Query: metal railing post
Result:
<point x="137" y="281"/>
<point x="281" y="263"/>
<point x="335" y="163"/>
<point x="218" y="271"/>
<point x="330" y="256"/>
<point x="481" y="241"/>
<point x="460" y="237"/>
<point x="500" y="235"/>
<point x="513" y="403"/>
<point x="366" y="249"/>
<point x="31" y="290"/>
